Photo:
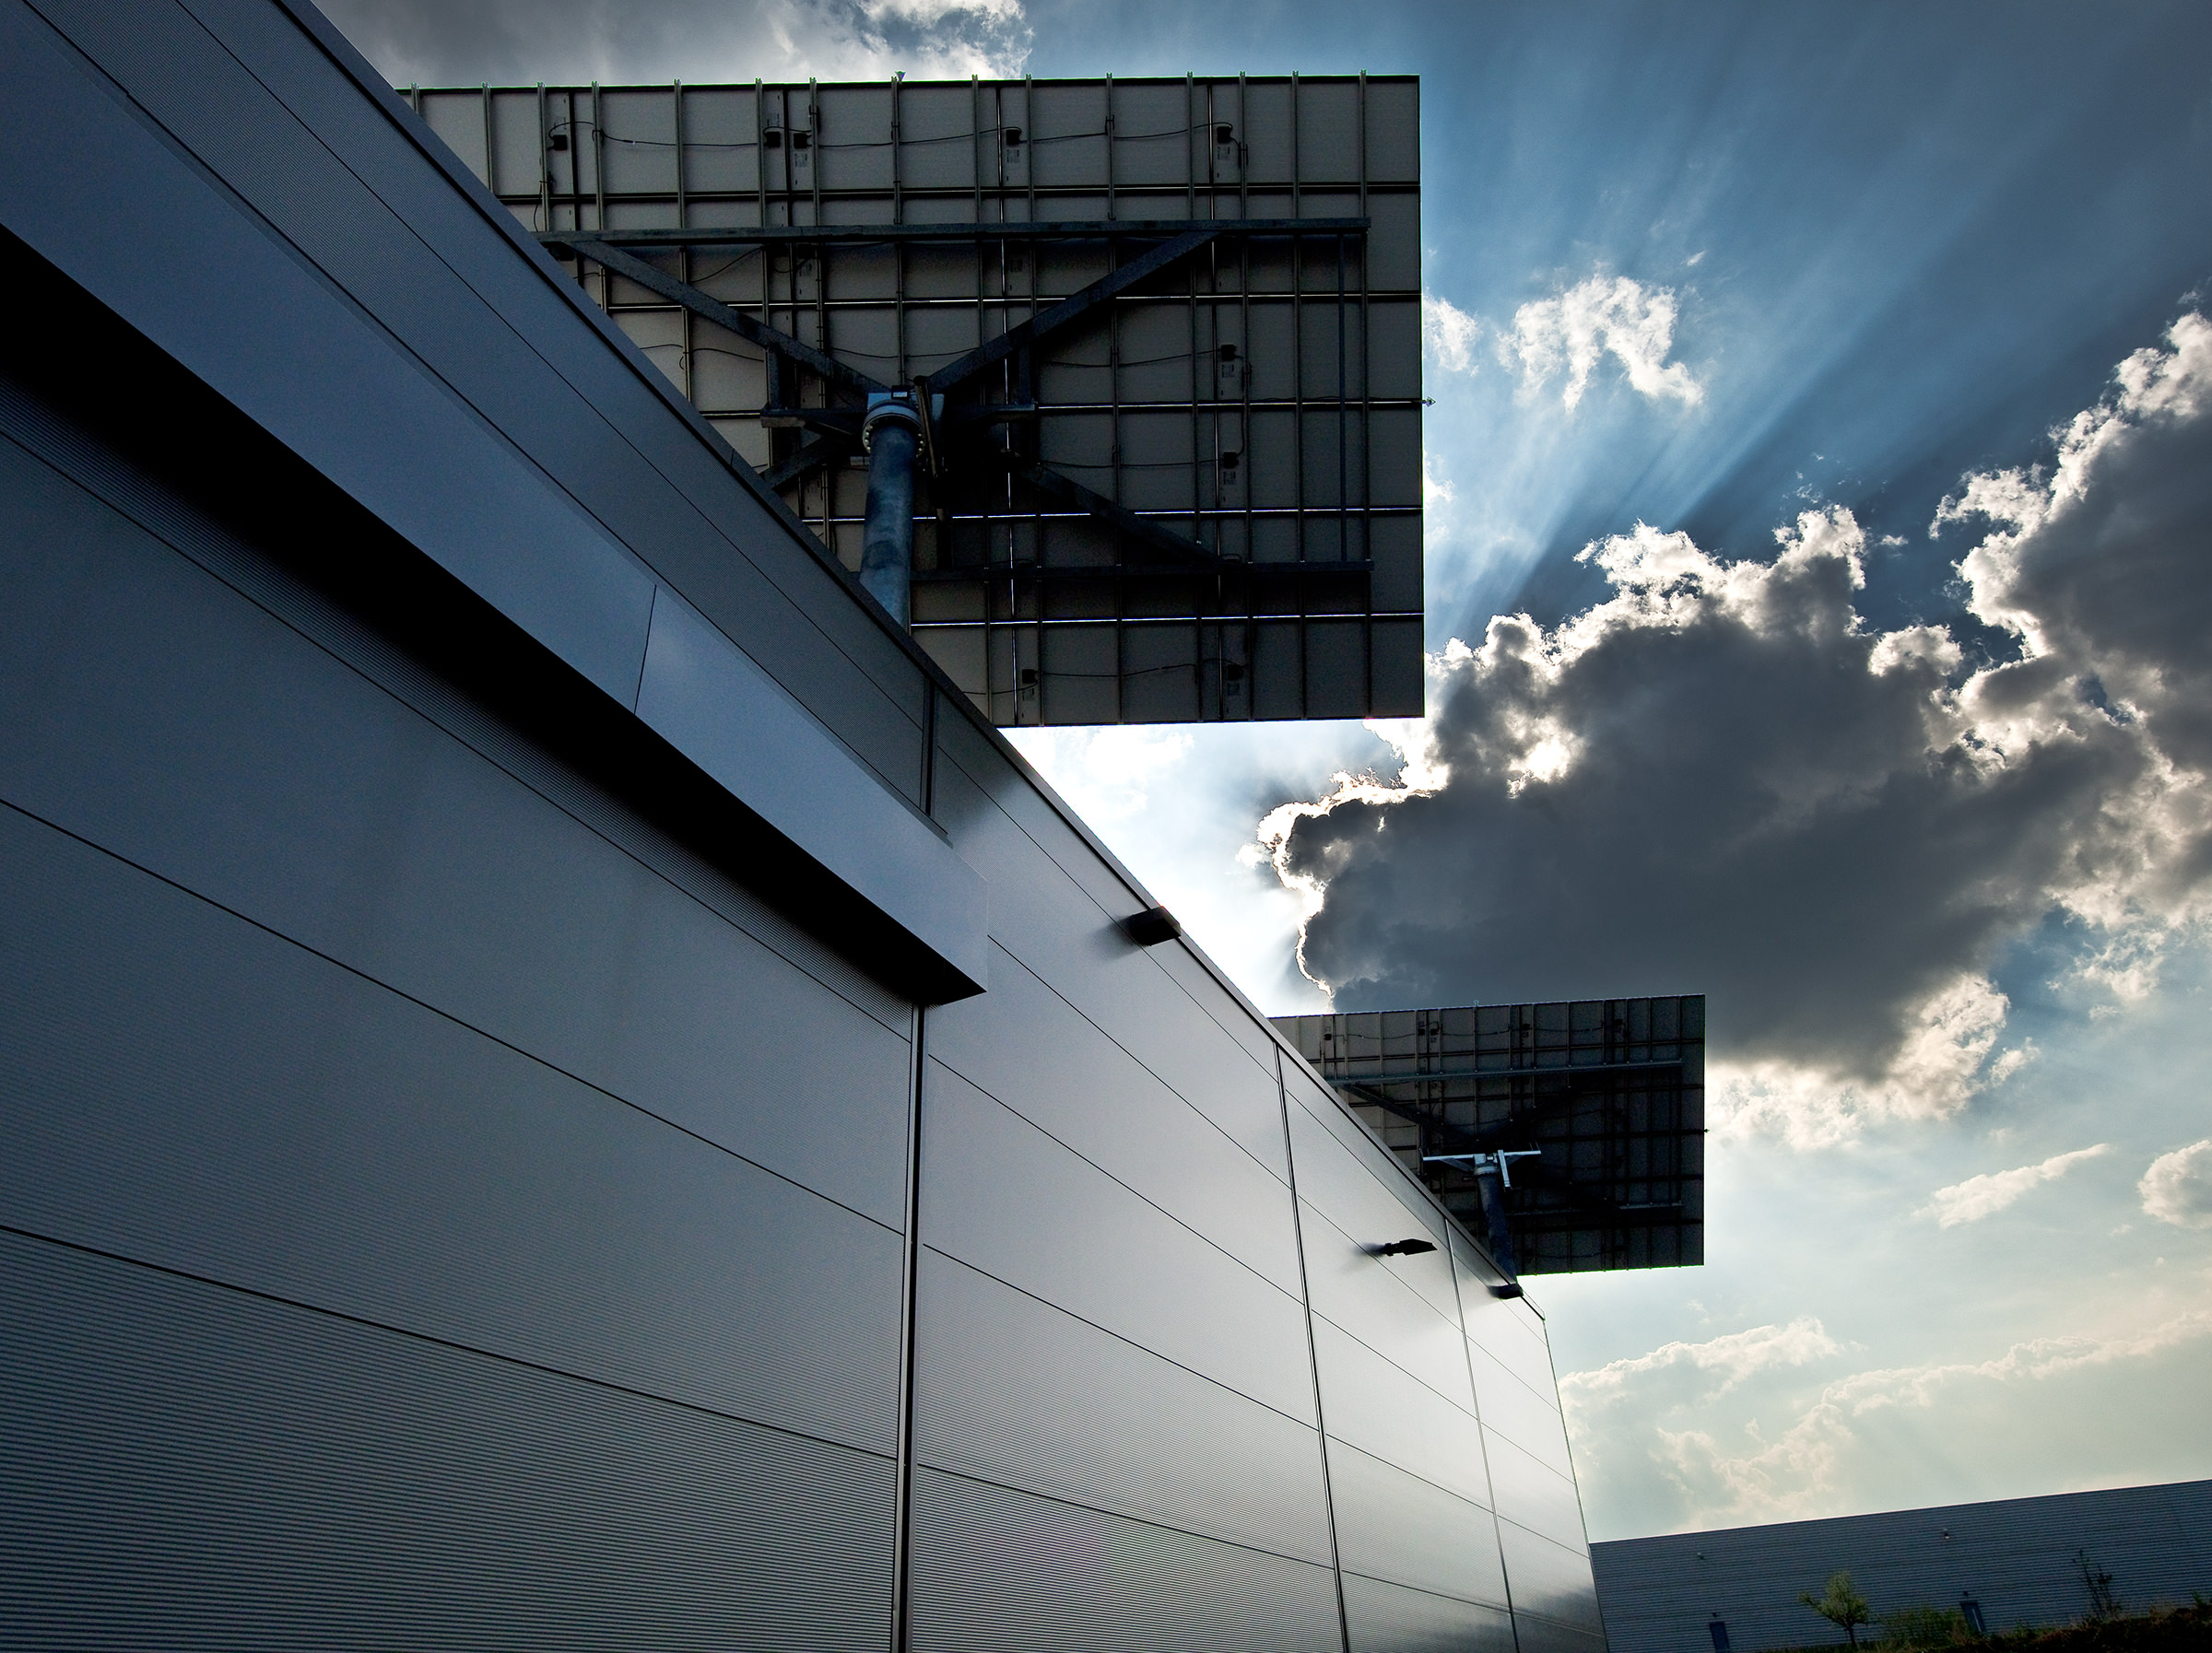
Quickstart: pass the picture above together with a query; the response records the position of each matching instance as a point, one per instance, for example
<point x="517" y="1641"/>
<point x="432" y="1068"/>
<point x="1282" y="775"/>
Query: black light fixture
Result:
<point x="1405" y="1247"/>
<point x="1151" y="927"/>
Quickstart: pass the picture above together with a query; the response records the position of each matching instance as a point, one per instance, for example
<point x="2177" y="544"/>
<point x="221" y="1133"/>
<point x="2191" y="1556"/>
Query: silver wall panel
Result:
<point x="1507" y="1329"/>
<point x="1361" y="1294"/>
<point x="1012" y="1390"/>
<point x="1539" y="1498"/>
<point x="1372" y="1404"/>
<point x="1550" y="1579"/>
<point x="267" y="1119"/>
<point x="1511" y="1409"/>
<point x="1350" y="1180"/>
<point x="1542" y="1636"/>
<point x="2015" y="1557"/>
<point x="1393" y="1525"/>
<point x="490" y="903"/>
<point x="1390" y="1618"/>
<point x="1055" y="903"/>
<point x="502" y="335"/>
<point x="1024" y="1046"/>
<point x="191" y="1467"/>
<point x="1001" y="1195"/>
<point x="999" y="1571"/>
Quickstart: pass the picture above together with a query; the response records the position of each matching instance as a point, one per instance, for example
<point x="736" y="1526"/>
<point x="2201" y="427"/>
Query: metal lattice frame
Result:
<point x="1178" y="475"/>
<point x="1611" y="1092"/>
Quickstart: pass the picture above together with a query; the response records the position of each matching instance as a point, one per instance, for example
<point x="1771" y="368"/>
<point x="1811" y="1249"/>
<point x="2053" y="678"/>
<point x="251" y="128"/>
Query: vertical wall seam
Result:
<point x="1320" y="1419"/>
<point x="911" y="1264"/>
<point x="1482" y="1439"/>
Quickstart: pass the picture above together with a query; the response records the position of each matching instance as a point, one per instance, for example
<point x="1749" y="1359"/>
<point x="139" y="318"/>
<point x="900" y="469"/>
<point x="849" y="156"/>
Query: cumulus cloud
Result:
<point x="1722" y="778"/>
<point x="1991" y="1193"/>
<point x="1448" y="334"/>
<point x="2178" y="1187"/>
<point x="1571" y="333"/>
<point x="520" y="41"/>
<point x="1720" y="1478"/>
<point x="1733" y="1357"/>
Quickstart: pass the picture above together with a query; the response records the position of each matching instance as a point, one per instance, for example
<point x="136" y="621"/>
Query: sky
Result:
<point x="1820" y="562"/>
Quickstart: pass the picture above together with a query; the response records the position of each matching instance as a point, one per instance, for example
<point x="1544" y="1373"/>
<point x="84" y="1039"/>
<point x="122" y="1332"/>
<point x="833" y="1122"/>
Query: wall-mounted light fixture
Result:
<point x="1151" y="927"/>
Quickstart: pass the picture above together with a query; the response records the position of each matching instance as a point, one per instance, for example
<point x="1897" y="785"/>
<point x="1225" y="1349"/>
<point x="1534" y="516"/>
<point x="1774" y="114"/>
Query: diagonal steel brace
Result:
<point x="712" y="308"/>
<point x="1070" y="309"/>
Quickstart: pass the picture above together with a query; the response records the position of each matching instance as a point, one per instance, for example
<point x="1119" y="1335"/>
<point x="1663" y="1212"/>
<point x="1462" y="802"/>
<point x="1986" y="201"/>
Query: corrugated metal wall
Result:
<point x="2014" y="1557"/>
<point x="452" y="1198"/>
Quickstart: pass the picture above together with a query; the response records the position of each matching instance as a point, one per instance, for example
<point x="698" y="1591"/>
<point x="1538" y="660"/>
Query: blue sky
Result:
<point x="1917" y="796"/>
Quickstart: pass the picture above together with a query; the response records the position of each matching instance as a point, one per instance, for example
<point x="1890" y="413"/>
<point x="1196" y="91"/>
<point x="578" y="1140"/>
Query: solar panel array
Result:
<point x="1195" y="496"/>
<point x="1610" y="1092"/>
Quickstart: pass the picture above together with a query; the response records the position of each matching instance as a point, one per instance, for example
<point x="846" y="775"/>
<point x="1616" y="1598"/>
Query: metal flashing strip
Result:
<point x="91" y="188"/>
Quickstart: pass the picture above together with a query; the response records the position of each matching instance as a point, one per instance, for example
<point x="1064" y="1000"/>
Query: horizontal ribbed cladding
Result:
<point x="1543" y="1635"/>
<point x="1013" y="1391"/>
<point x="1003" y="1196"/>
<point x="1540" y="1500"/>
<point x="1522" y="1415"/>
<point x="461" y="888"/>
<point x="1550" y="1580"/>
<point x="998" y="1571"/>
<point x="1055" y="905"/>
<point x="191" y="1467"/>
<point x="1392" y="1525"/>
<point x="1370" y="1404"/>
<point x="1390" y="1618"/>
<point x="188" y="1090"/>
<point x="1024" y="1045"/>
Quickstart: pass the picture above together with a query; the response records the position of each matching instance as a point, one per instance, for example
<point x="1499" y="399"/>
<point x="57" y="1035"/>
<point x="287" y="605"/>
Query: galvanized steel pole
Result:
<point x="892" y="434"/>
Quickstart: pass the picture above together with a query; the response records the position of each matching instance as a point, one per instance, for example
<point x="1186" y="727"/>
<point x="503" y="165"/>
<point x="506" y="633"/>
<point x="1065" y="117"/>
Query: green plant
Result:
<point x="1841" y="1605"/>
<point x="1924" y="1626"/>
<point x="2104" y="1601"/>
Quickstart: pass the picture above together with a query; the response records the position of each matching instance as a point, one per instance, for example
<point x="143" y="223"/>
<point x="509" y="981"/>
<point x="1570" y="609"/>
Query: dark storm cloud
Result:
<point x="521" y="41"/>
<point x="1720" y="780"/>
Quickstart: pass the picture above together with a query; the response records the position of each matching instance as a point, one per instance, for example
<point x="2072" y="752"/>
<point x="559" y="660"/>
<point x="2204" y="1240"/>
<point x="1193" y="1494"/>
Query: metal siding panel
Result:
<point x="1363" y="1190"/>
<point x="494" y="323"/>
<point x="1511" y="1409"/>
<point x="191" y="1467"/>
<point x="1391" y="1524"/>
<point x="1015" y="1391"/>
<point x="1001" y="1195"/>
<point x="1024" y="1046"/>
<point x="497" y="525"/>
<point x="1539" y="1498"/>
<point x="383" y="842"/>
<point x="2014" y="1555"/>
<point x="1361" y="1294"/>
<point x="1372" y="1404"/>
<point x="458" y="491"/>
<point x="1055" y="903"/>
<point x="1549" y="1580"/>
<point x="707" y="699"/>
<point x="1507" y="1329"/>
<point x="1390" y="1618"/>
<point x="189" y="1090"/>
<point x="998" y="1571"/>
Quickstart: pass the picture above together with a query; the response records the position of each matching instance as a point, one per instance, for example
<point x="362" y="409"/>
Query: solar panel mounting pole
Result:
<point x="1493" y="1174"/>
<point x="892" y="435"/>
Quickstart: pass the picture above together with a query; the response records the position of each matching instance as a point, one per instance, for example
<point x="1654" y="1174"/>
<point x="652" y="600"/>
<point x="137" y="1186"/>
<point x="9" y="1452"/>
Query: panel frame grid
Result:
<point x="1139" y="532"/>
<point x="1611" y="1092"/>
